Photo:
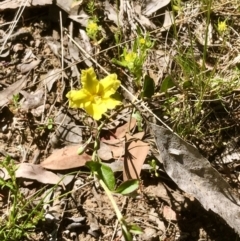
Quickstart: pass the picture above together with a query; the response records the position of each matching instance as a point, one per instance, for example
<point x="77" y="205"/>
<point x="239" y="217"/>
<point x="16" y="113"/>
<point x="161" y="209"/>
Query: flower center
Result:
<point x="96" y="98"/>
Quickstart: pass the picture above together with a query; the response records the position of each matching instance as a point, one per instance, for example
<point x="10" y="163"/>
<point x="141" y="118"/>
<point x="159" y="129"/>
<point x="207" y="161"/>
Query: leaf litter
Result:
<point x="36" y="56"/>
<point x="65" y="158"/>
<point x="200" y="180"/>
<point x="135" y="154"/>
<point x="33" y="172"/>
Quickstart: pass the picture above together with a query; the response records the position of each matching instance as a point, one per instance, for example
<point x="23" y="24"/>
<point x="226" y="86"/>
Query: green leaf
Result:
<point x="50" y="124"/>
<point x="29" y="226"/>
<point x="133" y="228"/>
<point x="104" y="172"/>
<point x="127" y="235"/>
<point x="167" y="84"/>
<point x="93" y="166"/>
<point x="176" y="8"/>
<point x="128" y="187"/>
<point x="107" y="176"/>
<point x="122" y="63"/>
<point x="148" y="87"/>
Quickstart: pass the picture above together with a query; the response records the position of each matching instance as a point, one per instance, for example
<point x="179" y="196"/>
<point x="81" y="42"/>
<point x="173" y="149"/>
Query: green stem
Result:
<point x="205" y="47"/>
<point x="96" y="142"/>
<point x="110" y="196"/>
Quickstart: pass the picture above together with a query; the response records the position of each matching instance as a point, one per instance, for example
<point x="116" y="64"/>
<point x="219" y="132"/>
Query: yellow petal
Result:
<point x="110" y="103"/>
<point x="109" y="85"/>
<point x="75" y="95"/>
<point x="89" y="81"/>
<point x="95" y="111"/>
<point x="78" y="98"/>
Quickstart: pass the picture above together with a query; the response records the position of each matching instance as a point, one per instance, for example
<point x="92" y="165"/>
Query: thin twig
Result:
<point x="62" y="57"/>
<point x="15" y="21"/>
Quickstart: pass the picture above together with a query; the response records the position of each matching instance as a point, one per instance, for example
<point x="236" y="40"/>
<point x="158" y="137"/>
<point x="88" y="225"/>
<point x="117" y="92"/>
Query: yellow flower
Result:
<point x="92" y="26"/>
<point x="95" y="96"/>
<point x="142" y="41"/>
<point x="130" y="57"/>
<point x="222" y="26"/>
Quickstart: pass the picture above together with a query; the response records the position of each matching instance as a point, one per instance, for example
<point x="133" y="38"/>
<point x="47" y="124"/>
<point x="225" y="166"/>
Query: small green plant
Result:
<point x="154" y="167"/>
<point x="91" y="7"/>
<point x="93" y="29"/>
<point x="50" y="124"/>
<point x="21" y="219"/>
<point x="15" y="100"/>
<point x="95" y="98"/>
<point x="106" y="179"/>
<point x="118" y="38"/>
<point x="176" y="5"/>
<point x="198" y="80"/>
<point x="135" y="58"/>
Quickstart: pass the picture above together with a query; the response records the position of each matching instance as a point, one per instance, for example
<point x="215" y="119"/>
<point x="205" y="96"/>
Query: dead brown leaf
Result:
<point x="135" y="155"/>
<point x="26" y="67"/>
<point x="33" y="100"/>
<point x="139" y="135"/>
<point x="122" y="130"/>
<point x="169" y="214"/>
<point x="68" y="132"/>
<point x="51" y="77"/>
<point x="116" y="146"/>
<point x="34" y="172"/>
<point x="65" y="158"/>
<point x="194" y="175"/>
<point x="9" y="4"/>
<point x="104" y="152"/>
<point x="153" y="5"/>
<point x="7" y="94"/>
<point x="116" y="143"/>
